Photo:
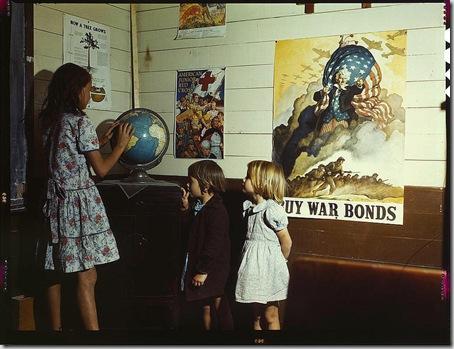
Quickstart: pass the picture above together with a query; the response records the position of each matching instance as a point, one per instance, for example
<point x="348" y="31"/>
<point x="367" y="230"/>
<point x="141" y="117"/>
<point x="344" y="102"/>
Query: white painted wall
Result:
<point x="48" y="54"/>
<point x="247" y="50"/>
<point x="48" y="47"/>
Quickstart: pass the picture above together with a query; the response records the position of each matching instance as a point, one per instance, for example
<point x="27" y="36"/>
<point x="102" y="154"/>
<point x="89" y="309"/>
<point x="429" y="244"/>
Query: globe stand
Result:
<point x="139" y="176"/>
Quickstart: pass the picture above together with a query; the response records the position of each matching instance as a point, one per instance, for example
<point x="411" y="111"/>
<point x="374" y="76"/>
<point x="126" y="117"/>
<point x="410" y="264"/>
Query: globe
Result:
<point x="147" y="145"/>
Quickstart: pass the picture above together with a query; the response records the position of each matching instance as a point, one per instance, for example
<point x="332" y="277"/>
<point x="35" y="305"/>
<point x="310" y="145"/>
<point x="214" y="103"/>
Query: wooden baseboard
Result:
<point x="24" y="309"/>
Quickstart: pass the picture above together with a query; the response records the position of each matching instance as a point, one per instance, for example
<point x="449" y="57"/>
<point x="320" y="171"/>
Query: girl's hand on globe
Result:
<point x="108" y="135"/>
<point x="184" y="199"/>
<point x="125" y="131"/>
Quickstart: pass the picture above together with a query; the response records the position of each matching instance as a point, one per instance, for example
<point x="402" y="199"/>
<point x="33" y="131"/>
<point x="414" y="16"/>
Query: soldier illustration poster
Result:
<point x="199" y="114"/>
<point x="200" y="20"/>
<point x="339" y="125"/>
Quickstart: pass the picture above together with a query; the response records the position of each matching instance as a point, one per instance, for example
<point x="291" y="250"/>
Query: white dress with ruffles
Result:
<point x="263" y="274"/>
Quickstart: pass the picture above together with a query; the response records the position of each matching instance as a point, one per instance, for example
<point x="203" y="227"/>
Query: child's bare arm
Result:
<point x="285" y="240"/>
<point x="108" y="134"/>
<point x="102" y="165"/>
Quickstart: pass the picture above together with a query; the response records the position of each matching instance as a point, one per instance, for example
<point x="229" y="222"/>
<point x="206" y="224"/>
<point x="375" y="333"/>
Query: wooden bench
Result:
<point x="341" y="301"/>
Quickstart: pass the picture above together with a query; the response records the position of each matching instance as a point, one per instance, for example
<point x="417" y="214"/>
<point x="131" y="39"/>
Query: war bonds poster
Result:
<point x="87" y="44"/>
<point x="199" y="114"/>
<point x="339" y="125"/>
<point x="200" y="20"/>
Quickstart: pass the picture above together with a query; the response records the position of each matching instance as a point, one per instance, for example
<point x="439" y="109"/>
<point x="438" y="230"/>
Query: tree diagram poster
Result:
<point x="200" y="20"/>
<point x="87" y="44"/>
<point x="199" y="114"/>
<point x="339" y="125"/>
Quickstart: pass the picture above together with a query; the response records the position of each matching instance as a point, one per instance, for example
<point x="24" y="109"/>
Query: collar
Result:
<point x="255" y="207"/>
<point x="215" y="200"/>
<point x="198" y="206"/>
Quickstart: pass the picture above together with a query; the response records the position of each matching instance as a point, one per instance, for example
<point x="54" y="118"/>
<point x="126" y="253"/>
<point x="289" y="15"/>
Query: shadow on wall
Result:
<point x="30" y="222"/>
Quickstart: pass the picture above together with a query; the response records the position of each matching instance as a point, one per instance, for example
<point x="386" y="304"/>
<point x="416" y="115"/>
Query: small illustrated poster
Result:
<point x="199" y="114"/>
<point x="199" y="20"/>
<point x="87" y="43"/>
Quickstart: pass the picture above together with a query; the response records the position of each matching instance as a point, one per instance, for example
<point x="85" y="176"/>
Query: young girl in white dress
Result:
<point x="263" y="275"/>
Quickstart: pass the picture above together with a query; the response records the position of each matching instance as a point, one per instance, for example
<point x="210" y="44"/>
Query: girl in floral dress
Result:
<point x="80" y="233"/>
<point x="263" y="275"/>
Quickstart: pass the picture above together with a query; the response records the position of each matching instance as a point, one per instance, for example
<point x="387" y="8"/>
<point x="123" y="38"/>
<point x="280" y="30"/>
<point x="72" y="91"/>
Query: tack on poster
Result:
<point x="339" y="125"/>
<point x="87" y="43"/>
<point x="199" y="114"/>
<point x="200" y="20"/>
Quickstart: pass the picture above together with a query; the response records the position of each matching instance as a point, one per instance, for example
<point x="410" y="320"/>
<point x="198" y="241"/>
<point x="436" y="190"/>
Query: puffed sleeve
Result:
<point x="87" y="139"/>
<point x="246" y="205"/>
<point x="275" y="216"/>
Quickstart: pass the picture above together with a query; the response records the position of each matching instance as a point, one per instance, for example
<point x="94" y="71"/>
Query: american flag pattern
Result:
<point x="361" y="64"/>
<point x="368" y="103"/>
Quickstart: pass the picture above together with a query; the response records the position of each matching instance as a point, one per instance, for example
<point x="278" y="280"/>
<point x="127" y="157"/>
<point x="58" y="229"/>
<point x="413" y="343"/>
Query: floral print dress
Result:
<point x="80" y="232"/>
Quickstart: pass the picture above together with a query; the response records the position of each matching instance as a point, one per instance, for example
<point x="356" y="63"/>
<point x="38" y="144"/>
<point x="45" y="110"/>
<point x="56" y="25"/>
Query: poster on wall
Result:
<point x="199" y="114"/>
<point x="87" y="44"/>
<point x="339" y="125"/>
<point x="199" y="20"/>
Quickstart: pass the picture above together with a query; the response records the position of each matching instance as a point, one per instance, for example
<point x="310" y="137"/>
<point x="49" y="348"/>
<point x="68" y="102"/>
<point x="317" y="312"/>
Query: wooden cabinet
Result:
<point x="140" y="290"/>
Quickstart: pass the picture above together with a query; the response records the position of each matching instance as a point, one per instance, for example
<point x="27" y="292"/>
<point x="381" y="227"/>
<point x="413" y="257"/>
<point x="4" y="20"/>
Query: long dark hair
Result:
<point x="63" y="93"/>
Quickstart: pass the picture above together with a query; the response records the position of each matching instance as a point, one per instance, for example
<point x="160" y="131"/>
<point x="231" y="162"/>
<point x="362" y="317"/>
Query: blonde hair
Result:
<point x="209" y="175"/>
<point x="267" y="179"/>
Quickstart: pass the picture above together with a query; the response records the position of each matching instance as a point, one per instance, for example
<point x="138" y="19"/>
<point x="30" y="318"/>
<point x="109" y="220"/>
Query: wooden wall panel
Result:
<point x="425" y="147"/>
<point x="425" y="41"/>
<point x="248" y="53"/>
<point x="106" y="14"/>
<point x="425" y="173"/>
<point x="48" y="49"/>
<point x="125" y="7"/>
<point x="418" y="242"/>
<point x="418" y="97"/>
<point x="364" y="246"/>
<point x="302" y="26"/>
<point x="425" y="121"/>
<point x="148" y="7"/>
<point x="165" y="18"/>
<point x="247" y="50"/>
<point x="233" y="166"/>
<point x="211" y="56"/>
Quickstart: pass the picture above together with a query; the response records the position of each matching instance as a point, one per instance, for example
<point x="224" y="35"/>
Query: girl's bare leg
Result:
<point x="272" y="317"/>
<point x="257" y="326"/>
<point x="207" y="320"/>
<point x="217" y="303"/>
<point x="257" y="308"/>
<point x="54" y="302"/>
<point x="206" y="317"/>
<point x="86" y="298"/>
